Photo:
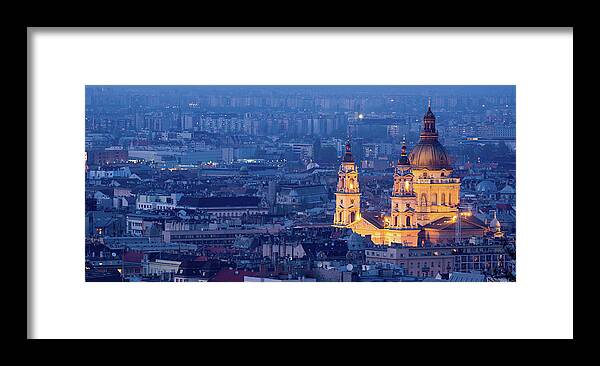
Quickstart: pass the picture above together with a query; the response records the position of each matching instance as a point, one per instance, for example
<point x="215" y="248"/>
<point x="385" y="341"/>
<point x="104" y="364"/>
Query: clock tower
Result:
<point x="347" y="195"/>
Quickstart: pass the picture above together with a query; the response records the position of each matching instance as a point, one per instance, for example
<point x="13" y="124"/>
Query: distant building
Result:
<point x="299" y="197"/>
<point x="157" y="201"/>
<point x="103" y="172"/>
<point x="507" y="194"/>
<point x="164" y="264"/>
<point x="304" y="150"/>
<point x="105" y="156"/>
<point x="210" y="237"/>
<point x="196" y="271"/>
<point x="283" y="250"/>
<point x="478" y="254"/>
<point x="146" y="224"/>
<point x="225" y="206"/>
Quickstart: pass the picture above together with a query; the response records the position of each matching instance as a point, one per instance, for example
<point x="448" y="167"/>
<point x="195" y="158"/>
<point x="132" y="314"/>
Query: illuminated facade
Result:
<point x="347" y="196"/>
<point x="437" y="192"/>
<point x="424" y="196"/>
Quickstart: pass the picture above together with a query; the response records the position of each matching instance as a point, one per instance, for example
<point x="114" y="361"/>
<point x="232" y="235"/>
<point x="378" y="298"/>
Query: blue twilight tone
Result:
<point x="300" y="183"/>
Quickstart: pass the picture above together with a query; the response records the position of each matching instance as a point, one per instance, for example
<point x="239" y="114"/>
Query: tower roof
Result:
<point x="403" y="155"/>
<point x="429" y="122"/>
<point x="348" y="154"/>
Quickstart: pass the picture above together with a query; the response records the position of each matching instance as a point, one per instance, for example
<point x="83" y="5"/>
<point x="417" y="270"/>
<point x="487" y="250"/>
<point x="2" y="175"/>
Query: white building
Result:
<point x="157" y="201"/>
<point x="122" y="172"/>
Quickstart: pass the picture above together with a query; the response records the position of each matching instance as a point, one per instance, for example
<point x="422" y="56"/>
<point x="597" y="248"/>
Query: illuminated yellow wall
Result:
<point x="437" y="196"/>
<point x="347" y="197"/>
<point x="347" y="208"/>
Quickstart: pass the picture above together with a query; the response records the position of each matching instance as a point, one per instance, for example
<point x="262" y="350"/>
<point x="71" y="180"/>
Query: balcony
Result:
<point x="436" y="180"/>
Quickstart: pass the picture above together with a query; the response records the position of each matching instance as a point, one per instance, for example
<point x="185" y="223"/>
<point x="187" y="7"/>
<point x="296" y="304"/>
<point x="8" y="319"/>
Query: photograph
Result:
<point x="370" y="175"/>
<point x="300" y="183"/>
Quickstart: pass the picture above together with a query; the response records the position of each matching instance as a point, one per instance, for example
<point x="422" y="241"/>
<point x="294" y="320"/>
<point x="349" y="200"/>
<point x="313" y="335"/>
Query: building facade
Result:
<point x="424" y="194"/>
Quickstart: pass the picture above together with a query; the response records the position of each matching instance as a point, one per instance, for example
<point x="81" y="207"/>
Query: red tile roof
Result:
<point x="133" y="257"/>
<point x="231" y="275"/>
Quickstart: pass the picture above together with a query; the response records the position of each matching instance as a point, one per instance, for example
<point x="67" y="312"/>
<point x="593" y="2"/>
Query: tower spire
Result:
<point x="404" y="145"/>
<point x="428" y="121"/>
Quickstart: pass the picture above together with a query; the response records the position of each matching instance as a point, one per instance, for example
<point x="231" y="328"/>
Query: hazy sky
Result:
<point x="431" y="90"/>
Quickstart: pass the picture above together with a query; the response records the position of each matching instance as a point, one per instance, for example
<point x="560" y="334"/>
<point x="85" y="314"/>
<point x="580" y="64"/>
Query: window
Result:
<point x="443" y="198"/>
<point x="407" y="220"/>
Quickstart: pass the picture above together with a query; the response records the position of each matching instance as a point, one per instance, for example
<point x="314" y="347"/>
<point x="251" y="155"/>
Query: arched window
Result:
<point x="434" y="199"/>
<point x="340" y="217"/>
<point x="443" y="198"/>
<point x="407" y="221"/>
<point x="396" y="221"/>
<point x="450" y="199"/>
<point x="352" y="215"/>
<point x="423" y="199"/>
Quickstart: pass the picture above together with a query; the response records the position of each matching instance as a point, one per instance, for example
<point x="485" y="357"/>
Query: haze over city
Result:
<point x="300" y="183"/>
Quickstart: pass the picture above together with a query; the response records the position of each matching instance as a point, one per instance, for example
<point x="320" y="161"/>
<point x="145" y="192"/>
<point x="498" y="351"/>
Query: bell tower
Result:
<point x="347" y="195"/>
<point x="404" y="199"/>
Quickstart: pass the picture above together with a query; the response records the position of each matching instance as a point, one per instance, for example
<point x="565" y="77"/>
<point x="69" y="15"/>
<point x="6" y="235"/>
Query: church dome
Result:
<point x="495" y="223"/>
<point x="430" y="154"/>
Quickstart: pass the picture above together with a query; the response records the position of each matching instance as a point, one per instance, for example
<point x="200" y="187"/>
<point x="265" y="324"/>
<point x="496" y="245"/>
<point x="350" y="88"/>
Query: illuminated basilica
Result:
<point x="425" y="197"/>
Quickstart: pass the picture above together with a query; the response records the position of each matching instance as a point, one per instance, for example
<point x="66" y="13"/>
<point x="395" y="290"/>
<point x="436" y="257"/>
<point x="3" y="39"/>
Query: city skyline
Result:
<point x="239" y="182"/>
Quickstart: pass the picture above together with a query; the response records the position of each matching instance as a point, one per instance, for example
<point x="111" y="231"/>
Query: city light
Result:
<point x="274" y="183"/>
